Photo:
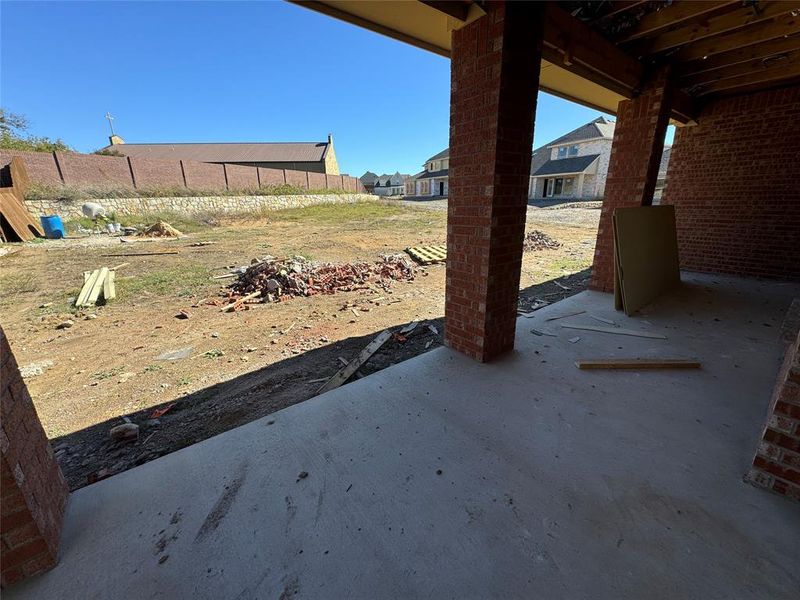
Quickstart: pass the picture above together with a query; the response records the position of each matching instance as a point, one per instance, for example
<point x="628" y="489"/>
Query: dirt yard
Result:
<point x="108" y="366"/>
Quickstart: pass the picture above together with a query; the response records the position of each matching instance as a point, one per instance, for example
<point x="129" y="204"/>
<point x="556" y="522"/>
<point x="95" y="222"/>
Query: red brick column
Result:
<point x="494" y="84"/>
<point x="34" y="492"/>
<point x="777" y="462"/>
<point x="632" y="168"/>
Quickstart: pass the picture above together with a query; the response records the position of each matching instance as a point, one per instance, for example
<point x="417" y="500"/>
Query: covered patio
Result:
<point x="524" y="477"/>
<point x="439" y="477"/>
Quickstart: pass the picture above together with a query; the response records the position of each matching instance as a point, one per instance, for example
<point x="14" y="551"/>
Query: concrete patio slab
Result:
<point x="444" y="478"/>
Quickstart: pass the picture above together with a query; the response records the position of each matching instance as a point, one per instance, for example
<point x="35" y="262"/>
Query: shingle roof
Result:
<point x="600" y="127"/>
<point x="415" y="176"/>
<point x="432" y="174"/>
<point x="443" y="154"/>
<point x="575" y="164"/>
<point x="229" y="152"/>
<point x="368" y="178"/>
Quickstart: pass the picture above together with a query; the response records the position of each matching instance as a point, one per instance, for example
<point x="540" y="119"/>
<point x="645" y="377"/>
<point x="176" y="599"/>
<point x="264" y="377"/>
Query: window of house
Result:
<point x="559" y="186"/>
<point x="573" y="151"/>
<point x="562" y="152"/>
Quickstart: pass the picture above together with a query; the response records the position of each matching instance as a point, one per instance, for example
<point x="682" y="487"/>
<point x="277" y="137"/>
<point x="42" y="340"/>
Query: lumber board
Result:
<point x="637" y="363"/>
<point x="239" y="301"/>
<point x="109" y="286"/>
<point x="343" y="374"/>
<point x="87" y="288"/>
<point x="565" y="315"/>
<point x="143" y="253"/>
<point x="617" y="331"/>
<point x="91" y="300"/>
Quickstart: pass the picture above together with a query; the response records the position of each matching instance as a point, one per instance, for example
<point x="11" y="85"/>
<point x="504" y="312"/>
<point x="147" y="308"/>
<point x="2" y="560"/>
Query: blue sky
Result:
<point x="232" y="71"/>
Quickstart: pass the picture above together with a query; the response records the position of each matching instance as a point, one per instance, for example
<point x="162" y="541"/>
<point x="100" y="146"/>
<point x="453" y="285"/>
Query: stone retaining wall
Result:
<point x="192" y="205"/>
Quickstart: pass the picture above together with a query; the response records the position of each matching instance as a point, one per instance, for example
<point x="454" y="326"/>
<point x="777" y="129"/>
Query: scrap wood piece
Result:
<point x="638" y="363"/>
<point x="94" y="294"/>
<point x="119" y="266"/>
<point x="88" y="286"/>
<point x="348" y="370"/>
<point x="618" y="330"/>
<point x="109" y="286"/>
<point x="602" y="320"/>
<point x="428" y="255"/>
<point x="409" y="328"/>
<point x="569" y="314"/>
<point x="238" y="302"/>
<point x="143" y="253"/>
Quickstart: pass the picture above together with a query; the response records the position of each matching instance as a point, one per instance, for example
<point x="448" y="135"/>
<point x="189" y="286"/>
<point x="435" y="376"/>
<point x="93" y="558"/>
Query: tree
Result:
<point x="14" y="135"/>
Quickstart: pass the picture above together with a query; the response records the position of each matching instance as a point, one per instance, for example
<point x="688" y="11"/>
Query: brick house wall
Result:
<point x="776" y="465"/>
<point x="34" y="492"/>
<point x="735" y="182"/>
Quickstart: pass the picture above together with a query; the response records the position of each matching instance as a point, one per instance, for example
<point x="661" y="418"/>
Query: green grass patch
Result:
<point x="176" y="281"/>
<point x="363" y="212"/>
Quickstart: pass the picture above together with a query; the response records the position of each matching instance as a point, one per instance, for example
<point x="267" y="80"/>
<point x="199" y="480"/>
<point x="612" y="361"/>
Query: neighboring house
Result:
<point x="368" y="180"/>
<point x="575" y="165"/>
<point x="572" y="166"/>
<point x="661" y="180"/>
<point x="390" y="185"/>
<point x="432" y="181"/>
<point x="317" y="157"/>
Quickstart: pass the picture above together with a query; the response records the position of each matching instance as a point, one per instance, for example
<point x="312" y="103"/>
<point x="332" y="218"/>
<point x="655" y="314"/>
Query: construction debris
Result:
<point x="142" y="254"/>
<point x="618" y="331"/>
<point x="279" y="280"/>
<point x="65" y="324"/>
<point x="539" y="240"/>
<point x="160" y="229"/>
<point x="127" y="432"/>
<point x="95" y="283"/>
<point x="569" y="314"/>
<point x="350" y="368"/>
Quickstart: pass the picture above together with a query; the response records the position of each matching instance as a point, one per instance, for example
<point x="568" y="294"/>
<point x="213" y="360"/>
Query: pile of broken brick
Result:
<point x="539" y="240"/>
<point x="278" y="280"/>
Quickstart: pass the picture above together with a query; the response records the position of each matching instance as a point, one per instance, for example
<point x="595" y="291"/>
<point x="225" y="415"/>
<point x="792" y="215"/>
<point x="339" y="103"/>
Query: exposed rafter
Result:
<point x="741" y="55"/>
<point x="762" y="77"/>
<point x="675" y="14"/>
<point x="754" y="67"/>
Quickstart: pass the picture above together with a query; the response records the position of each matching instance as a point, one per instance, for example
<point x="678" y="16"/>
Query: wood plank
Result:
<point x="618" y="7"/>
<point x="87" y="288"/>
<point x="109" y="286"/>
<point x="739" y="20"/>
<point x="671" y="16"/>
<point x="752" y="68"/>
<point x="780" y="72"/>
<point x="569" y="314"/>
<point x="740" y="55"/>
<point x="637" y="363"/>
<point x="348" y="370"/>
<point x="91" y="300"/>
<point x="748" y="36"/>
<point x="617" y="331"/>
<point x="143" y="253"/>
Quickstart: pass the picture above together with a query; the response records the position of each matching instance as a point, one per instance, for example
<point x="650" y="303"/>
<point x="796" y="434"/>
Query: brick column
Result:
<point x="777" y="462"/>
<point x="632" y="168"/>
<point x="494" y="84"/>
<point x="34" y="492"/>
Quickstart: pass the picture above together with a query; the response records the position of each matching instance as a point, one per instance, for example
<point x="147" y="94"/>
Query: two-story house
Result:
<point x="573" y="166"/>
<point x="389" y="185"/>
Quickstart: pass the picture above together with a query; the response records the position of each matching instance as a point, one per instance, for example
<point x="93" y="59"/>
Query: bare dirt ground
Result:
<point x="240" y="366"/>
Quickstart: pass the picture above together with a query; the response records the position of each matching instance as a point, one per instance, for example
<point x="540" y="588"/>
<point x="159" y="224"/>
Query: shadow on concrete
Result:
<point x="89" y="455"/>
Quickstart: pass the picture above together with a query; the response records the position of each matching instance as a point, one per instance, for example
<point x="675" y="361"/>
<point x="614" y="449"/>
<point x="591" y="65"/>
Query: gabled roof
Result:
<point x="369" y="177"/>
<point x="599" y="128"/>
<point x="563" y="166"/>
<point x="443" y="154"/>
<point x="432" y="174"/>
<point x="415" y="176"/>
<point x="228" y="151"/>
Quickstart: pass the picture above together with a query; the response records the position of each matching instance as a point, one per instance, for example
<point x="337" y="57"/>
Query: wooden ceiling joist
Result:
<point x="673" y="15"/>
<point x="620" y="7"/>
<point x="748" y="36"/>
<point x="740" y="19"/>
<point x="761" y="78"/>
<point x="741" y="55"/>
<point x="786" y="60"/>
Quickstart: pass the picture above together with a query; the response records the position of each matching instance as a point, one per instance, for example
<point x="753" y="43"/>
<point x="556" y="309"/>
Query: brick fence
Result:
<point x="73" y="169"/>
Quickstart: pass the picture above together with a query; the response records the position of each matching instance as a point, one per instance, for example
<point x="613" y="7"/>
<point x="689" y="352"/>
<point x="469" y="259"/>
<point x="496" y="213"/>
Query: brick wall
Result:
<point x="271" y="177"/>
<point x="632" y="168"/>
<point x="317" y="181"/>
<point x="297" y="178"/>
<point x="777" y="462"/>
<point x="735" y="182"/>
<point x="156" y="173"/>
<point x="241" y="178"/>
<point x="34" y="492"/>
<point x="203" y="176"/>
<point x="494" y="81"/>
<point x="90" y="169"/>
<point x="40" y="166"/>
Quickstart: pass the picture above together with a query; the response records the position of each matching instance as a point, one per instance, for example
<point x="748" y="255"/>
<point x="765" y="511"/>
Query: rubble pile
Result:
<point x="539" y="240"/>
<point x="278" y="280"/>
<point x="160" y="229"/>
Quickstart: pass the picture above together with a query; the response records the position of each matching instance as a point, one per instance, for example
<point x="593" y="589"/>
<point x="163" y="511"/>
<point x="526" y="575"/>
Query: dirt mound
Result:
<point x="281" y="280"/>
<point x="160" y="229"/>
<point x="538" y="240"/>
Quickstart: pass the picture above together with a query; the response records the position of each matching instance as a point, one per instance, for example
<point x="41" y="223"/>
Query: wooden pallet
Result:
<point x="428" y="255"/>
